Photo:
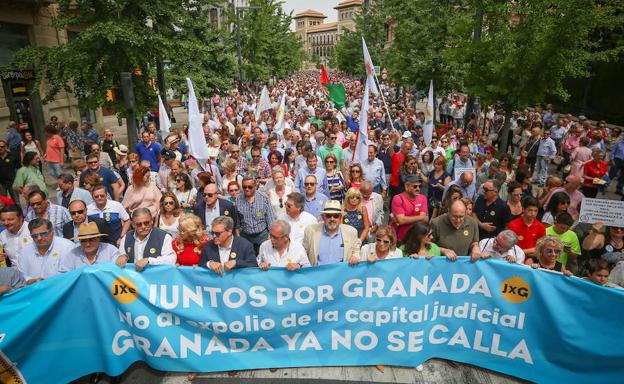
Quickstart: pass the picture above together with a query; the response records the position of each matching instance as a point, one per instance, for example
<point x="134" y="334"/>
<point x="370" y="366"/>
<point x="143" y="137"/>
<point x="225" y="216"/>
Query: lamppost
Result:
<point x="237" y="11"/>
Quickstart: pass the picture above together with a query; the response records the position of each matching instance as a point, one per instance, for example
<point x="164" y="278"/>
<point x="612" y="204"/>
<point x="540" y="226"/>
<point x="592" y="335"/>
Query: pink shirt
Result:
<point x="403" y="205"/>
<point x="575" y="200"/>
<point x="54" y="149"/>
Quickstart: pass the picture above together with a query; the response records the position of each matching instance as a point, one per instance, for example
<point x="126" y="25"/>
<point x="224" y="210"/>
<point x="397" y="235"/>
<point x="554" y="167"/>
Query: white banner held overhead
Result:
<point x="163" y="119"/>
<point x="197" y="141"/>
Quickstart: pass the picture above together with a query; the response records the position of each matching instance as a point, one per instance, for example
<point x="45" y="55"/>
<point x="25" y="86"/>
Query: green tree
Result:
<point x="423" y="31"/>
<point x="269" y="47"/>
<point x="370" y="23"/>
<point x="129" y="36"/>
<point x="529" y="48"/>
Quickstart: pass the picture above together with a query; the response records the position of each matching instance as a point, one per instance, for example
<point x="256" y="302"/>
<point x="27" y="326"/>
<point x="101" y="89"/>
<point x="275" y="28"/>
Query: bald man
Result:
<point x="456" y="233"/>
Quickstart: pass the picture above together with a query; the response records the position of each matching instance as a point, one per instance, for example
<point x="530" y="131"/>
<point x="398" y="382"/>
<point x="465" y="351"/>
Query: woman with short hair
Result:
<point x="548" y="248"/>
<point x="384" y="247"/>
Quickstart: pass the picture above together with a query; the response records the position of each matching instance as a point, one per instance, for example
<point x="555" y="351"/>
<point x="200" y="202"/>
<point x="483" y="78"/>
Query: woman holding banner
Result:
<point x="548" y="249"/>
<point x="384" y="246"/>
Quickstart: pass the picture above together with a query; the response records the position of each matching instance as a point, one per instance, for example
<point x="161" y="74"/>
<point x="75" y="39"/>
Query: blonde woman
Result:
<point x="384" y="246"/>
<point x="355" y="213"/>
<point x="168" y="220"/>
<point x="277" y="194"/>
<point x="548" y="249"/>
<point x="189" y="241"/>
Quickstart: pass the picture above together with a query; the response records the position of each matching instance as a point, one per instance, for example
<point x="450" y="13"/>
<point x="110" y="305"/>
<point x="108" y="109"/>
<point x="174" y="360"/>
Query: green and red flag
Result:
<point x="335" y="91"/>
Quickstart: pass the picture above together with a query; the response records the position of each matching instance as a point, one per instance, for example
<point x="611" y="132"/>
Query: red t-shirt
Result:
<point x="190" y="255"/>
<point x="396" y="160"/>
<point x="527" y="236"/>
<point x="403" y="205"/>
<point x="592" y="169"/>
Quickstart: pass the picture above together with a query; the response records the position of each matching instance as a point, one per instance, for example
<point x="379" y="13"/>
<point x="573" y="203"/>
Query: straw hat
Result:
<point x="88" y="231"/>
<point x="122" y="150"/>
<point x="332" y="206"/>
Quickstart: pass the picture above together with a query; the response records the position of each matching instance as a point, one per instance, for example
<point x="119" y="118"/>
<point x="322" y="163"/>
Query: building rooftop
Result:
<point x="309" y="13"/>
<point x="323" y="27"/>
<point x="349" y="3"/>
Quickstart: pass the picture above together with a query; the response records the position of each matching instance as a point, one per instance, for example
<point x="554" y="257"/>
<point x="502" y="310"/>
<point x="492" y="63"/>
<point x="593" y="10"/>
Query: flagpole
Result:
<point x="384" y="100"/>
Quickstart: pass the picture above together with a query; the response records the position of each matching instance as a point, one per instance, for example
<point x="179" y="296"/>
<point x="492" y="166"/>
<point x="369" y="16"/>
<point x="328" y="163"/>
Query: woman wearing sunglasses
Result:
<point x="185" y="192"/>
<point x="169" y="214"/>
<point x="548" y="248"/>
<point x="383" y="248"/>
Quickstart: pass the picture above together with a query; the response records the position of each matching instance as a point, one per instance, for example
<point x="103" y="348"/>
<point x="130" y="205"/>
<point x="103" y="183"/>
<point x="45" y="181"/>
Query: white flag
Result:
<point x="370" y="69"/>
<point x="264" y="103"/>
<point x="429" y="117"/>
<point x="281" y="111"/>
<point x="197" y="141"/>
<point x="361" y="146"/>
<point x="163" y="119"/>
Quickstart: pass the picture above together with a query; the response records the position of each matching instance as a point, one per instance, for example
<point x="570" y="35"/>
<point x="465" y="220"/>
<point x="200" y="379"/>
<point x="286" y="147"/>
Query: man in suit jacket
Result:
<point x="331" y="242"/>
<point x="225" y="250"/>
<point x="78" y="212"/>
<point x="209" y="207"/>
<point x="373" y="202"/>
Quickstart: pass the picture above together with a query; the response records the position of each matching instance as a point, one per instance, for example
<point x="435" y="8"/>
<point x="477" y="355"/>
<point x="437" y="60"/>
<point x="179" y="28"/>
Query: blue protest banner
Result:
<point x="530" y="324"/>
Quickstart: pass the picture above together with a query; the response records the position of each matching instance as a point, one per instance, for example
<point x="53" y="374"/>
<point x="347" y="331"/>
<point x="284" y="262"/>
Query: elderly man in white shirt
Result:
<point x="503" y="246"/>
<point x="145" y="244"/>
<point x="296" y="217"/>
<point x="41" y="258"/>
<point x="90" y="251"/>
<point x="279" y="251"/>
<point x="16" y="236"/>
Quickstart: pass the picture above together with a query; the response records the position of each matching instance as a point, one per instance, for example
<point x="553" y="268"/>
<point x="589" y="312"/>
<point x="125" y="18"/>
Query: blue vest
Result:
<point x="153" y="248"/>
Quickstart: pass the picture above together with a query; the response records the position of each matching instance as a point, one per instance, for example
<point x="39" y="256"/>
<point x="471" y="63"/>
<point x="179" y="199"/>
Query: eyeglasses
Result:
<point x="488" y="190"/>
<point x="248" y="187"/>
<point x="94" y="162"/>
<point x="551" y="251"/>
<point x="330" y="162"/>
<point x="332" y="137"/>
<point x="355" y="197"/>
<point x="135" y="161"/>
<point x="309" y="184"/>
<point x="178" y="180"/>
<point x="276" y="237"/>
<point x="356" y="171"/>
<point x="168" y="203"/>
<point x="456" y="217"/>
<point x="78" y="212"/>
<point x="99" y="196"/>
<point x="35" y="236"/>
<point x="143" y="224"/>
<point x="332" y="215"/>
<point x="215" y="234"/>
<point x="383" y="241"/>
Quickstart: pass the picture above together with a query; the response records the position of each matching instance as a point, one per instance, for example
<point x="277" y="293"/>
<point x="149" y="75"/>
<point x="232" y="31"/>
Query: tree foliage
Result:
<point x="129" y="36"/>
<point x="269" y="47"/>
<point x="370" y="23"/>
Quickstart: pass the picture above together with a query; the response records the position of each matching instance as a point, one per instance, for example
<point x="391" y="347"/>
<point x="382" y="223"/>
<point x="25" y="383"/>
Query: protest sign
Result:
<point x="492" y="314"/>
<point x="610" y="212"/>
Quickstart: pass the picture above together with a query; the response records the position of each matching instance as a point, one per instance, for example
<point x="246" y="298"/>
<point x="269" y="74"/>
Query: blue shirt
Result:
<point x="375" y="172"/>
<point x="320" y="179"/>
<point x="32" y="264"/>
<point x="618" y="150"/>
<point x="149" y="153"/>
<point x="108" y="178"/>
<point x="547" y="148"/>
<point x="470" y="191"/>
<point x="76" y="258"/>
<point x="331" y="248"/>
<point x="315" y="205"/>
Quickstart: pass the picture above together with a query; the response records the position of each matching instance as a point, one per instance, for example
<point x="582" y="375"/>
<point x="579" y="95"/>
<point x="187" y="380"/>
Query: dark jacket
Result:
<point x="242" y="251"/>
<point x="226" y="208"/>
<point x="103" y="227"/>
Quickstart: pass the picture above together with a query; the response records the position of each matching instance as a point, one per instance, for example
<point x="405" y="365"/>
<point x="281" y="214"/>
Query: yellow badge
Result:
<point x="346" y="220"/>
<point x="359" y="217"/>
<point x="55" y="254"/>
<point x="129" y="249"/>
<point x="152" y="250"/>
<point x="492" y="213"/>
<point x="289" y="260"/>
<point x="226" y="213"/>
<point x="259" y="214"/>
<point x="233" y="255"/>
<point x="466" y="233"/>
<point x="107" y="217"/>
<point x="25" y="240"/>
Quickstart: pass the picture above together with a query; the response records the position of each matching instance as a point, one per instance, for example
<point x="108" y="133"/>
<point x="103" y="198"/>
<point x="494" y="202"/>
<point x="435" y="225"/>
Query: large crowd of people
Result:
<point x="295" y="196"/>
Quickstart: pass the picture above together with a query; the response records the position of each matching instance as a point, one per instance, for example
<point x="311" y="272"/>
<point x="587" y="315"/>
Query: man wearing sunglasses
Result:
<point x="145" y="244"/>
<point x="40" y="258"/>
<point x="43" y="209"/>
<point x="226" y="251"/>
<point x="209" y="207"/>
<point x="90" y="251"/>
<point x="78" y="212"/>
<point x="331" y="242"/>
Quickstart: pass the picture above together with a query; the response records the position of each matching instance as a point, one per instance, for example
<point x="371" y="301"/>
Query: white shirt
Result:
<point x="167" y="254"/>
<point x="297" y="227"/>
<point x="211" y="214"/>
<point x="369" y="250"/>
<point x="112" y="207"/>
<point x="13" y="243"/>
<point x="295" y="253"/>
<point x="32" y="264"/>
<point x="487" y="245"/>
<point x="106" y="253"/>
<point x="224" y="253"/>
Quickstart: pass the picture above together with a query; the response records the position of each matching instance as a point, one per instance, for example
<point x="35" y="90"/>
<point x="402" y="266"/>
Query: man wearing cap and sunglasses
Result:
<point x="331" y="242"/>
<point x="91" y="250"/>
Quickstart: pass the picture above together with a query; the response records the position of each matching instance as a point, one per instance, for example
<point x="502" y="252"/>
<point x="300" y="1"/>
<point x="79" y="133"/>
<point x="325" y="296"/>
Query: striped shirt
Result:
<point x="336" y="180"/>
<point x="58" y="216"/>
<point x="256" y="217"/>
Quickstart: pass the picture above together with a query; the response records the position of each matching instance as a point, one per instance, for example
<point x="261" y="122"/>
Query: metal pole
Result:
<point x="383" y="99"/>
<point x="128" y="95"/>
<point x="238" y="48"/>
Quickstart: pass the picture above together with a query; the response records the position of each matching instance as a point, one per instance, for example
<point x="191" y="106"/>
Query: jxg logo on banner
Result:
<point x="124" y="290"/>
<point x="515" y="290"/>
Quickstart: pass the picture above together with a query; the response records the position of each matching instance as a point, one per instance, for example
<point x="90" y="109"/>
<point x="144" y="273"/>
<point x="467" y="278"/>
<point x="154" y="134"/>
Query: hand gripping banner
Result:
<point x="534" y="325"/>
